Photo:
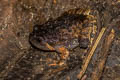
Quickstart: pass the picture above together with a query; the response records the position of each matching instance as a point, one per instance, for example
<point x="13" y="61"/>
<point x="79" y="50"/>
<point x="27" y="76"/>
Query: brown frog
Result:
<point x="71" y="29"/>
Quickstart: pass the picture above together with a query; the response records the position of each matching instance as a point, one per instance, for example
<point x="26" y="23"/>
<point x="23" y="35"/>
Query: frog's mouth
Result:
<point x="38" y="43"/>
<point x="33" y="41"/>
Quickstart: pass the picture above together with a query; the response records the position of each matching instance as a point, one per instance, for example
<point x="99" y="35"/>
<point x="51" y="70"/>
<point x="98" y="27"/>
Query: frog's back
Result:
<point x="63" y="31"/>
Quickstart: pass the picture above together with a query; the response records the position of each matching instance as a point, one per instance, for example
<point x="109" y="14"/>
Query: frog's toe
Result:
<point x="62" y="62"/>
<point x="59" y="63"/>
<point x="53" y="64"/>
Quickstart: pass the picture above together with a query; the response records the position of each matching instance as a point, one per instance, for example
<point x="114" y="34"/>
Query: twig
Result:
<point x="88" y="58"/>
<point x="104" y="54"/>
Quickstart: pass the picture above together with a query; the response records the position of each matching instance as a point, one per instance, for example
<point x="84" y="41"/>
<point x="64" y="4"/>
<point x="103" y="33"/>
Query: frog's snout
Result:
<point x="33" y="40"/>
<point x="84" y="43"/>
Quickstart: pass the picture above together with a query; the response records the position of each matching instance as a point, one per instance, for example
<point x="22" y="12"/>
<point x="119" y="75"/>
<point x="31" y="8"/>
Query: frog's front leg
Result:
<point x="64" y="54"/>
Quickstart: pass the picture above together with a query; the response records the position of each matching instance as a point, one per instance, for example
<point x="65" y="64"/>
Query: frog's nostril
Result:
<point x="84" y="43"/>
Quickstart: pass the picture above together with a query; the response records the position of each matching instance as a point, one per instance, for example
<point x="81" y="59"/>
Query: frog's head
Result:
<point x="35" y="39"/>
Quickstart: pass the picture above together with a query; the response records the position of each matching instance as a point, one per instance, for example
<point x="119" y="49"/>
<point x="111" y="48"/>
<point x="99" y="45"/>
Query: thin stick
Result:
<point x="88" y="58"/>
<point x="104" y="54"/>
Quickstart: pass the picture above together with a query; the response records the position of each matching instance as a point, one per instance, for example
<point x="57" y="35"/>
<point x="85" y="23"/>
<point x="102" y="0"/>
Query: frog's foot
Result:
<point x="62" y="62"/>
<point x="90" y="17"/>
<point x="64" y="55"/>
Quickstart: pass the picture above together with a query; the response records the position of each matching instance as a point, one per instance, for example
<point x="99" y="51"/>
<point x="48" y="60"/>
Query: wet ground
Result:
<point x="19" y="61"/>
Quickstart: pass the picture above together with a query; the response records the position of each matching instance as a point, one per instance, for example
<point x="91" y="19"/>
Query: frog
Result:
<point x="65" y="33"/>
